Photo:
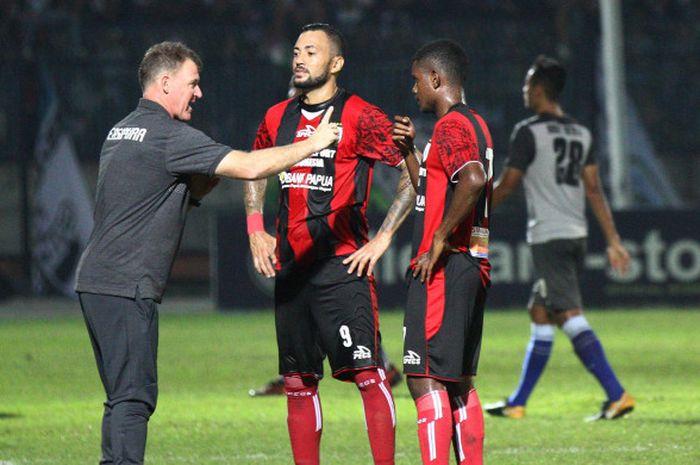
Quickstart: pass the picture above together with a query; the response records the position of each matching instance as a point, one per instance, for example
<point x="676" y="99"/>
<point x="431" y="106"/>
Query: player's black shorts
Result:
<point x="558" y="265"/>
<point x="323" y="311"/>
<point x="444" y="321"/>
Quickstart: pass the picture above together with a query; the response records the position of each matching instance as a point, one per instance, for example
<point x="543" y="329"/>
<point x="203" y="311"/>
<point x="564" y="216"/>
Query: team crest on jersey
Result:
<point x="361" y="353"/>
<point x="411" y="358"/>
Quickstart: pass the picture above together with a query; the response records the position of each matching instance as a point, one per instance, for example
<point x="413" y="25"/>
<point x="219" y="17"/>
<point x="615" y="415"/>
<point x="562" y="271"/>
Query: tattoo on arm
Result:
<point x="402" y="204"/>
<point x="254" y="191"/>
<point x="254" y="196"/>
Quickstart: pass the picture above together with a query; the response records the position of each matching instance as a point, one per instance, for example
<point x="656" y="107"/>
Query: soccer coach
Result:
<point x="153" y="168"/>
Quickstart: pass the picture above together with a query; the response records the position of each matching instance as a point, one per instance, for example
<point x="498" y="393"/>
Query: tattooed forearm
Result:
<point x="254" y="196"/>
<point x="402" y="204"/>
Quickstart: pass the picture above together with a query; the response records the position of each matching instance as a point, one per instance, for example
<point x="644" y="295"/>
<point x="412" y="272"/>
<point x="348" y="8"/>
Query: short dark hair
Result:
<point x="336" y="38"/>
<point x="548" y="73"/>
<point x="448" y="56"/>
<point x="165" y="56"/>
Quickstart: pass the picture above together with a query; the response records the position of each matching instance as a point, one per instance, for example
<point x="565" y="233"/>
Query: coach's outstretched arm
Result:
<point x="266" y="162"/>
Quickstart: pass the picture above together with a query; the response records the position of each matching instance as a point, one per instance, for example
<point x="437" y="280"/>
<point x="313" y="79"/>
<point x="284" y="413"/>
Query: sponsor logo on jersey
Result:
<point x="306" y="132"/>
<point x="310" y="162"/>
<point x="133" y="134"/>
<point x="361" y="353"/>
<point x="325" y="153"/>
<point x="411" y="358"/>
<point x="310" y="181"/>
<point x="317" y="160"/>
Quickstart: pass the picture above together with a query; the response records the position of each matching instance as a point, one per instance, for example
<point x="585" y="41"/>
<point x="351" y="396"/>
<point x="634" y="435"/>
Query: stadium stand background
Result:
<point x="91" y="49"/>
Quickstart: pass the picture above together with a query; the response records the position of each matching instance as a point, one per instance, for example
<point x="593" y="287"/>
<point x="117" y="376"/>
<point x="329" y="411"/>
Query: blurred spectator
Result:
<point x="90" y="43"/>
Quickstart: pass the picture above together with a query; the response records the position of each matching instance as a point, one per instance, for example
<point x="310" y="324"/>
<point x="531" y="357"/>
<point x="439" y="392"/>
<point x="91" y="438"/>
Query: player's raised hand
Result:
<point x="326" y="133"/>
<point x="262" y="247"/>
<point x="403" y="133"/>
<point x="619" y="257"/>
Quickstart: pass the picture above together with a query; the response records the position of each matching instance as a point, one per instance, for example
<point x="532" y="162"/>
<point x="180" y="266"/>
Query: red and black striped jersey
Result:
<point x="323" y="199"/>
<point x="460" y="137"/>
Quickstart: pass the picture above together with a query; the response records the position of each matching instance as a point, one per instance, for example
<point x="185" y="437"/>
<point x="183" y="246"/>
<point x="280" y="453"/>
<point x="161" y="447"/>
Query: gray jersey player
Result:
<point x="552" y="155"/>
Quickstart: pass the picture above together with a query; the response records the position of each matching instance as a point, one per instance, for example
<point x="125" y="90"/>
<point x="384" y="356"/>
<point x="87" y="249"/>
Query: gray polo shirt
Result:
<point x="552" y="152"/>
<point x="142" y="201"/>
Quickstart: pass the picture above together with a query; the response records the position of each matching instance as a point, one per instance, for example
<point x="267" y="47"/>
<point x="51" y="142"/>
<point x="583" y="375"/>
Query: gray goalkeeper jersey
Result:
<point x="552" y="152"/>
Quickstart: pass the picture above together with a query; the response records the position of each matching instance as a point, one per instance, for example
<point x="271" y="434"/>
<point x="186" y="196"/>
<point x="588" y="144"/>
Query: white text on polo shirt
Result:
<point x="133" y="134"/>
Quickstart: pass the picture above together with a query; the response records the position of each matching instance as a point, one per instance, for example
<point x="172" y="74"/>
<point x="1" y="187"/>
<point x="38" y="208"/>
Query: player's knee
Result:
<point x="133" y="409"/>
<point x="575" y="325"/>
<point x="566" y="315"/>
<point x="298" y="383"/>
<point x="146" y="395"/>
<point x="418" y="386"/>
<point x="539" y="314"/>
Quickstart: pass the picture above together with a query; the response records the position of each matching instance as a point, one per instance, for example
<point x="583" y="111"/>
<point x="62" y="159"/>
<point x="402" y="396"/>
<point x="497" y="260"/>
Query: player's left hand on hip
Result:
<point x="423" y="268"/>
<point x="367" y="256"/>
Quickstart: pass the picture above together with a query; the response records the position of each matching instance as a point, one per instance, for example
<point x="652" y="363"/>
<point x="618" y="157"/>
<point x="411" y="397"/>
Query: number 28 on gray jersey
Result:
<point x="551" y="151"/>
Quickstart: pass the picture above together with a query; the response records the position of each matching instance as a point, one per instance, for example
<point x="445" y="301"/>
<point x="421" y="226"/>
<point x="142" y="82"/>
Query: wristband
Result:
<point x="255" y="222"/>
<point x="192" y="202"/>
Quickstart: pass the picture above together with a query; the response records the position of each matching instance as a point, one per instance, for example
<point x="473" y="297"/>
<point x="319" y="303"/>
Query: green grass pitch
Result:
<point x="50" y="396"/>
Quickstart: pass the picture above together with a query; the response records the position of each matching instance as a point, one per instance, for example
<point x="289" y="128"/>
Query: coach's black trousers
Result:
<point x="124" y="336"/>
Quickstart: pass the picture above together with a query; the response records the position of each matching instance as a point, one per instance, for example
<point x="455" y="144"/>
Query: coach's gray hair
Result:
<point x="165" y="56"/>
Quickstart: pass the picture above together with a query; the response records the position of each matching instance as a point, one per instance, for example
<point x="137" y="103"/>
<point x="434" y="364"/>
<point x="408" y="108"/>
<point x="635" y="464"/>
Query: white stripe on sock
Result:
<point x="462" y="407"/>
<point x="437" y="404"/>
<point x="458" y="436"/>
<point x="390" y="401"/>
<point x="317" y="410"/>
<point x="432" y="448"/>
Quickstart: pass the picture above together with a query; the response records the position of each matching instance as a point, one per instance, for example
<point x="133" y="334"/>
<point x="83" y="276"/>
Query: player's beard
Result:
<point x="313" y="82"/>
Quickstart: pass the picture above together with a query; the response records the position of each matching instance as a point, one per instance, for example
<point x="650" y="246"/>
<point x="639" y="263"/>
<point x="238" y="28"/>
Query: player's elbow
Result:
<point x="476" y="180"/>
